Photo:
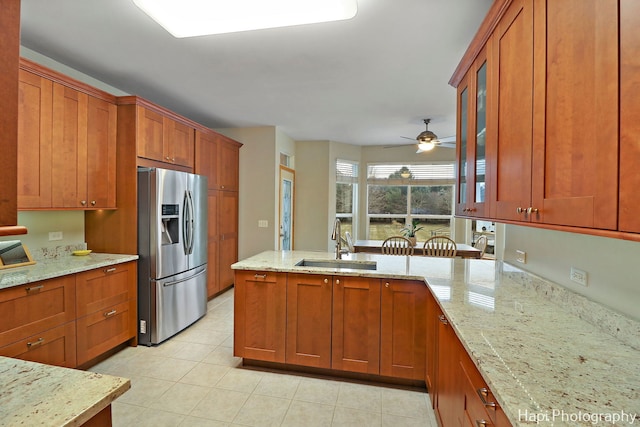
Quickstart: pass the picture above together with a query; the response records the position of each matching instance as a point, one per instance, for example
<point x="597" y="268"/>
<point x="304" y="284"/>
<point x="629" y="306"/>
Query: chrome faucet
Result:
<point x="337" y="237"/>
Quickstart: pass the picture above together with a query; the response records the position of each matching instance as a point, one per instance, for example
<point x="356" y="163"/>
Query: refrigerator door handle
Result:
<point x="175" y="282"/>
<point x="192" y="222"/>
<point x="187" y="225"/>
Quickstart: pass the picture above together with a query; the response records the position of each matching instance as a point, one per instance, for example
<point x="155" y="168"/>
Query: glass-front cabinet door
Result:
<point x="463" y="123"/>
<point x="472" y="129"/>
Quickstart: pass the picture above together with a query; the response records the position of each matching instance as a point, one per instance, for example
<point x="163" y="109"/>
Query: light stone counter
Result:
<point x="60" y="265"/>
<point x="36" y="394"/>
<point x="549" y="355"/>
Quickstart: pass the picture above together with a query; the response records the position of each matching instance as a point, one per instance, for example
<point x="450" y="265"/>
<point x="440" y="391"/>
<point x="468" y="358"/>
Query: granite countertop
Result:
<point x="551" y="357"/>
<point x="61" y="265"/>
<point x="36" y="394"/>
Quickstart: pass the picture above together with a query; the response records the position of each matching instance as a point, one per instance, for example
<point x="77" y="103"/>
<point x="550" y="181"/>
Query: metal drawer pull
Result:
<point x="34" y="288"/>
<point x="40" y="341"/>
<point x="110" y="313"/>
<point x="110" y="270"/>
<point x="481" y="423"/>
<point x="326" y="280"/>
<point x="484" y="393"/>
<point x="443" y="319"/>
<point x="260" y="276"/>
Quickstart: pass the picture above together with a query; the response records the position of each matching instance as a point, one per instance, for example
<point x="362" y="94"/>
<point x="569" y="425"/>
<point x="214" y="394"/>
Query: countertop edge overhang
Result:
<point x="57" y="267"/>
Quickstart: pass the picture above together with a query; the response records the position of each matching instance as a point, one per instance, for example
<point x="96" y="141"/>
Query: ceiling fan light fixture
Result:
<point x="426" y="146"/>
<point x="189" y="18"/>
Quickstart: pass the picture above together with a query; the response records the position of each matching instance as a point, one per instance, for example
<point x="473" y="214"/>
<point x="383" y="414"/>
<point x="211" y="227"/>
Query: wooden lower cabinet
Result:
<point x="260" y="315"/>
<point x="309" y="320"/>
<point x="355" y="332"/>
<point x="106" y="300"/>
<point x="55" y="346"/>
<point x="70" y="320"/>
<point x="33" y="308"/>
<point x="343" y="323"/>
<point x="403" y="329"/>
<point x="459" y="394"/>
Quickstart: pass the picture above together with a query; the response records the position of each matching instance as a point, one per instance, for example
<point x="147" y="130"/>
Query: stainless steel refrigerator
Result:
<point x="172" y="245"/>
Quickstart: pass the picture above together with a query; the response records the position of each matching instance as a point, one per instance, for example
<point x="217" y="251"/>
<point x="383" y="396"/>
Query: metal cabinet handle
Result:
<point x="110" y="313"/>
<point x="337" y="281"/>
<point x="481" y="423"/>
<point x="326" y="281"/>
<point x="93" y="203"/>
<point x="484" y="394"/>
<point x="531" y="210"/>
<point x="110" y="270"/>
<point x="386" y="285"/>
<point x="519" y="210"/>
<point x="39" y="341"/>
<point x="259" y="276"/>
<point x="83" y="202"/>
<point x="443" y="319"/>
<point x="34" y="288"/>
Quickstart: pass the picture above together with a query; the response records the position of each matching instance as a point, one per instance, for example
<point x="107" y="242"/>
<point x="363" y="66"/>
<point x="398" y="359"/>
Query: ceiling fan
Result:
<point x="428" y="140"/>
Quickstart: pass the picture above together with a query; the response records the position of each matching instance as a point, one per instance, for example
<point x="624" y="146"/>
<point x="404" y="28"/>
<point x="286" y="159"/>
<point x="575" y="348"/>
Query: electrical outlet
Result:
<point x="521" y="256"/>
<point x="578" y="276"/>
<point x="263" y="223"/>
<point x="55" y="235"/>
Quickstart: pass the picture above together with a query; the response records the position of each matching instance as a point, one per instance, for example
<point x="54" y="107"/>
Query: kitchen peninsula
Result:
<point x="535" y="345"/>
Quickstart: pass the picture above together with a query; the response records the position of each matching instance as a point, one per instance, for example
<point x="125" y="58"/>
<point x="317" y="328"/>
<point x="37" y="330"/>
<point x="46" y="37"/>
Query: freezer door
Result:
<point x="176" y="302"/>
<point x="197" y="187"/>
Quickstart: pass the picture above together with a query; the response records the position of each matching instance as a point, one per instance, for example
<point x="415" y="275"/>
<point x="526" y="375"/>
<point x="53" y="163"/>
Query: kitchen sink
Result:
<point x="338" y="263"/>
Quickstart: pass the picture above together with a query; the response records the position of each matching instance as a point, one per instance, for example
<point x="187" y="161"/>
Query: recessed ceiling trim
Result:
<point x="189" y="18"/>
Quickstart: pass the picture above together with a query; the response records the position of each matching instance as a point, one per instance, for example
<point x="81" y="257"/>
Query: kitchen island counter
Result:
<point x="36" y="394"/>
<point x="536" y="344"/>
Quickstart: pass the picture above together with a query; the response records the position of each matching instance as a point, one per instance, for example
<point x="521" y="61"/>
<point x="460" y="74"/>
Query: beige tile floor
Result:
<point x="193" y="379"/>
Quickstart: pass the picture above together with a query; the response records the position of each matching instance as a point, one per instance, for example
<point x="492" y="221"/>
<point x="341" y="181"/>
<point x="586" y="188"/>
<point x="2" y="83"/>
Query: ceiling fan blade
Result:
<point x="448" y="139"/>
<point x="397" y="145"/>
<point x="406" y="137"/>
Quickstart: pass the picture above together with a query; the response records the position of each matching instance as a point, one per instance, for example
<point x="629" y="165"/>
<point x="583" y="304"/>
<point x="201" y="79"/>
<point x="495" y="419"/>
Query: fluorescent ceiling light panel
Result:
<point x="188" y="18"/>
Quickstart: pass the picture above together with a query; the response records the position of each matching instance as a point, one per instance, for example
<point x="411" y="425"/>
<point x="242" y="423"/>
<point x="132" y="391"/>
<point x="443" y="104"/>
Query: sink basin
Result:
<point x="337" y="263"/>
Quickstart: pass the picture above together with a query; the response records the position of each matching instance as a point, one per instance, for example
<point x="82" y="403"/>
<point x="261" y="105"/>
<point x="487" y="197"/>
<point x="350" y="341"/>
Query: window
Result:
<point x="398" y="194"/>
<point x="346" y="194"/>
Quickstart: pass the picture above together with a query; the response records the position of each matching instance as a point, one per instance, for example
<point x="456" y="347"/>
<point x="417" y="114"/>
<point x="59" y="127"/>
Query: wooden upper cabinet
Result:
<point x="34" y="141"/>
<point x="150" y="128"/>
<point x="178" y="142"/>
<point x="228" y="159"/>
<point x="66" y="144"/>
<point x="575" y="148"/>
<point x="83" y="158"/>
<point x="164" y="139"/>
<point x="206" y="157"/>
<point x="472" y="116"/>
<point x="513" y="59"/>
<point x="9" y="55"/>
<point x="629" y="219"/>
<point x="101" y="154"/>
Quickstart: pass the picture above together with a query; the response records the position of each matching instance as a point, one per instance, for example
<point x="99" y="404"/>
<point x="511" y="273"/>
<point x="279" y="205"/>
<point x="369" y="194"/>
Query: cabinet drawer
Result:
<point x="29" y="309"/>
<point x="101" y="331"/>
<point x="55" y="346"/>
<point x="104" y="287"/>
<point x="480" y="404"/>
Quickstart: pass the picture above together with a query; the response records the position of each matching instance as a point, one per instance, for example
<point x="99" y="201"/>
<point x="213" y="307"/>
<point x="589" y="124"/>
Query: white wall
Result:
<point x="613" y="265"/>
<point x="258" y="188"/>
